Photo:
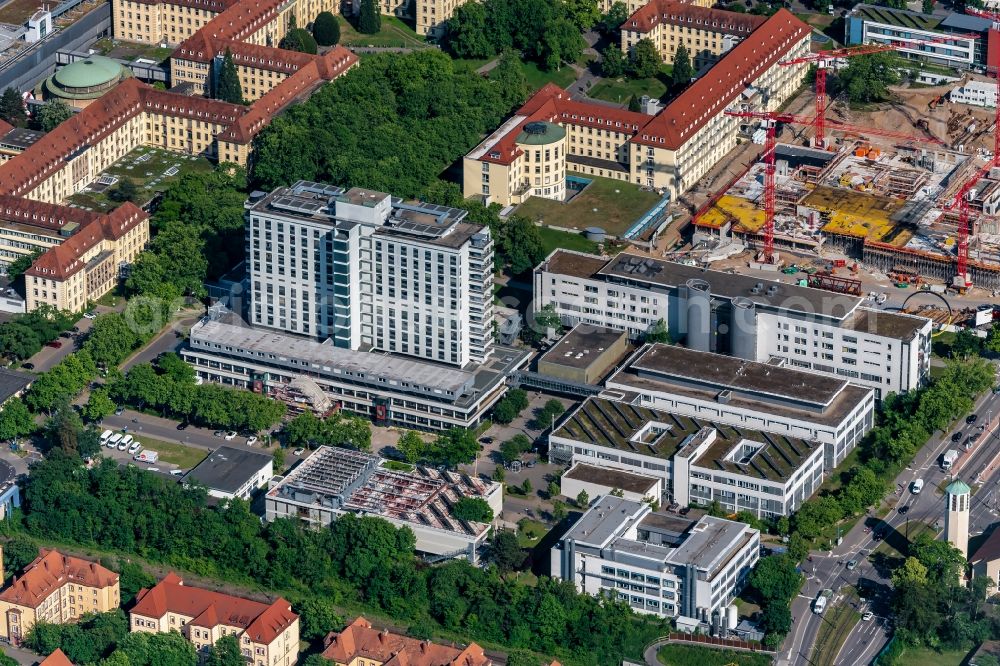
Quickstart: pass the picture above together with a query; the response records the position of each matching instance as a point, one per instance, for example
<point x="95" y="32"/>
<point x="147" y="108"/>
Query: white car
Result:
<point x="298" y="452"/>
<point x="867" y="616"/>
<point x="90" y="315"/>
<point x="177" y="472"/>
<point x="251" y="440"/>
<point x="134" y="447"/>
<point x="230" y="435"/>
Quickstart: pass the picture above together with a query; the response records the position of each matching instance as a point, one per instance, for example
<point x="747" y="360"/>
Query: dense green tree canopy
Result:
<point x="392" y="123"/>
<point x="12" y="108"/>
<point x="326" y="30"/>
<point x="299" y="39"/>
<point x="369" y="19"/>
<point x="51" y="114"/>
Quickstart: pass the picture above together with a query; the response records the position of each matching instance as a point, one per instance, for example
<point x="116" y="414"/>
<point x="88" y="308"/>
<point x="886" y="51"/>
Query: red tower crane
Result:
<point x="822" y="59"/>
<point x="771" y="119"/>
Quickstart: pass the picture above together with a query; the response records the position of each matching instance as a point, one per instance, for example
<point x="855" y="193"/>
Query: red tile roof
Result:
<point x="261" y="622"/>
<point x="5" y="128"/>
<point x="685" y="115"/>
<point x="50" y="571"/>
<point x="359" y="639"/>
<point x="208" y="5"/>
<point x="711" y="93"/>
<point x="245" y="54"/>
<point x="680" y="13"/>
<point x="57" y="658"/>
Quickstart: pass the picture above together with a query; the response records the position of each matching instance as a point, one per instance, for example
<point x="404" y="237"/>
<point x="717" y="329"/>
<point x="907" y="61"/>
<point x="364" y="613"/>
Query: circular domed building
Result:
<point x="544" y="147"/>
<point x="80" y="83"/>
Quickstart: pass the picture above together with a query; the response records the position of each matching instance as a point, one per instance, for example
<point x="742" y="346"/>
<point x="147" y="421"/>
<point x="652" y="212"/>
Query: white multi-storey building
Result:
<point x="697" y="460"/>
<point x="658" y="563"/>
<point x="747" y="317"/>
<point x="370" y="272"/>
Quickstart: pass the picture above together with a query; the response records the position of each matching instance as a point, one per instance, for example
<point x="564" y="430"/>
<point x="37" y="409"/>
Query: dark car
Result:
<point x="903" y="510"/>
<point x="65" y="334"/>
<point x="28" y="366"/>
<point x="55" y="344"/>
<point x="956" y="436"/>
<point x="182" y="426"/>
<point x="971" y="418"/>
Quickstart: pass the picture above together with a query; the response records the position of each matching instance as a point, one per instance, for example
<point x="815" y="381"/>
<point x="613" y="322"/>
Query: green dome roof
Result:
<point x="96" y="70"/>
<point x="540" y="132"/>
<point x="958" y="487"/>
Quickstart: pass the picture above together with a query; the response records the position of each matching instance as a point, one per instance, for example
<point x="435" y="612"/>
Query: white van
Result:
<point x="114" y="439"/>
<point x="134" y="447"/>
<point x="819" y="605"/>
<point x="105" y="436"/>
<point x="917" y="486"/>
<point x="124" y="444"/>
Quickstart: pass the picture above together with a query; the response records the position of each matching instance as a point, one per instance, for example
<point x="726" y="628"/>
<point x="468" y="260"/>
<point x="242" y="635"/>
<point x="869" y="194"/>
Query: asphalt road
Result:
<point x="828" y="570"/>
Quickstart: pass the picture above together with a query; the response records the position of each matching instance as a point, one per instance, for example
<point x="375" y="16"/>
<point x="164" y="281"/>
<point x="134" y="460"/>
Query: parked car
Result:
<point x="28" y="366"/>
<point x="119" y="411"/>
<point x="298" y="452"/>
<point x="90" y="315"/>
<point x="177" y="472"/>
<point x="182" y="425"/>
<point x="956" y="436"/>
<point x="134" y="447"/>
<point x="231" y="435"/>
<point x="251" y="440"/>
<point x="55" y="344"/>
<point x="220" y="433"/>
<point x="66" y="334"/>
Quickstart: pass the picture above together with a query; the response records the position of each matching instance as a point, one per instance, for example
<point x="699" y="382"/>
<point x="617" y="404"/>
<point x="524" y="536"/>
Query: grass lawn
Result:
<point x="695" y="655"/>
<point x="929" y="657"/>
<point x="613" y="205"/>
<point x="620" y="90"/>
<point x="530" y="532"/>
<point x="394" y="32"/>
<point x="538" y="77"/>
<point x="185" y="457"/>
<point x="149" y="174"/>
<point x="554" y="238"/>
<point x="398" y="466"/>
<point x="469" y="65"/>
<point x="131" y="50"/>
<point x="745" y="608"/>
<point x="837" y="625"/>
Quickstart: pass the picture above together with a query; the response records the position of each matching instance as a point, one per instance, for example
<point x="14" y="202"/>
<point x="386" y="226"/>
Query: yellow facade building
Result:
<point x="669" y="151"/>
<point x="705" y="33"/>
<point x="57" y="589"/>
<point x="268" y="634"/>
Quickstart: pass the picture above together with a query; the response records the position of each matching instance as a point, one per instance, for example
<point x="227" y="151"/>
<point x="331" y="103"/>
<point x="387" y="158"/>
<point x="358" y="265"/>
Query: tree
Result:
<point x="634" y="105"/>
<point x="319" y="617"/>
<point x="125" y="190"/>
<point x="228" y="87"/>
<point x="466" y="32"/>
<point x="658" y="332"/>
<point x="369" y="20"/>
<point x="552" y="489"/>
<point x="279" y="458"/>
<point x="509" y="75"/>
<point x="526" y="487"/>
<point x="583" y="499"/>
<point x="561" y="43"/>
<point x="521" y="244"/>
<point x="911" y="573"/>
<point x="511" y="449"/>
<point x="12" y="108"/>
<point x="583" y="14"/>
<point x="15" y="420"/>
<point x="775" y="578"/>
<point x="682" y="72"/>
<point x="99" y="405"/>
<point x="498" y="474"/>
<point x="547" y="317"/>
<point x="966" y="344"/>
<point x="225" y="652"/>
<point x="776" y="620"/>
<point x="505" y="552"/>
<point x="943" y="561"/>
<point x="167" y="649"/>
<point x="412" y="446"/>
<point x="472" y="509"/>
<point x="927" y="7"/>
<point x="559" y="511"/>
<point x="991" y="344"/>
<point x="326" y="30"/>
<point x="51" y="114"/>
<point x="867" y="78"/>
<point x="612" y="62"/>
<point x="18" y="553"/>
<point x="299" y="39"/>
<point x="16" y="268"/>
<point x="644" y="61"/>
<point x="522" y="658"/>
<point x="613" y="20"/>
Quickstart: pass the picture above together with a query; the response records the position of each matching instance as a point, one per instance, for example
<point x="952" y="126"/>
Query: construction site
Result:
<point x="909" y="190"/>
<point x="334" y="481"/>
